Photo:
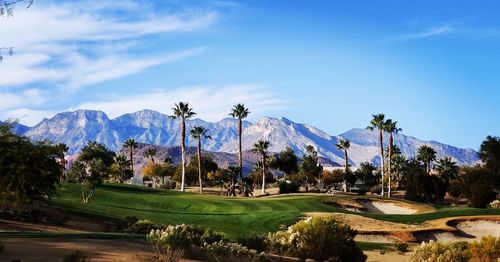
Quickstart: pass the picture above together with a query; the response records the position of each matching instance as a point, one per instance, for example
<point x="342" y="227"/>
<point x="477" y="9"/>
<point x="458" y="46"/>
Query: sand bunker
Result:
<point x="464" y="230"/>
<point x="378" y="206"/>
<point x="480" y="228"/>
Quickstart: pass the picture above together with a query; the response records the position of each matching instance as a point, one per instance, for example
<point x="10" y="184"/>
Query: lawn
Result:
<point x="233" y="216"/>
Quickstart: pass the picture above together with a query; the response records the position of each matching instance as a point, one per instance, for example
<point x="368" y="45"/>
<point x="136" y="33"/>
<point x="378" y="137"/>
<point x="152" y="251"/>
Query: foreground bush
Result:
<point x="227" y="251"/>
<point x="317" y="238"/>
<point x="256" y="242"/>
<point x="288" y="187"/>
<point x="487" y="249"/>
<point x="77" y="256"/>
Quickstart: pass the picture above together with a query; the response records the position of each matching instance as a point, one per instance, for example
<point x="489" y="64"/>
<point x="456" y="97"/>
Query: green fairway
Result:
<point x="233" y="216"/>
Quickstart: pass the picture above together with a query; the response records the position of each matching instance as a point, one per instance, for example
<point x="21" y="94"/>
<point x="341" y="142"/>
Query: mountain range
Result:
<point x="150" y="127"/>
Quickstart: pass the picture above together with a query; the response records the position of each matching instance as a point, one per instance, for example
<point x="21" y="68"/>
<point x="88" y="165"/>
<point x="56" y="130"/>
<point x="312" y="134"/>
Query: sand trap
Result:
<point x="466" y="230"/>
<point x="374" y="238"/>
<point x="480" y="228"/>
<point x="387" y="208"/>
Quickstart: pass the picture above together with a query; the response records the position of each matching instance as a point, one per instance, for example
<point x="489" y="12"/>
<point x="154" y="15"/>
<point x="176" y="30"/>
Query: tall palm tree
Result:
<point x="378" y="123"/>
<point x="130" y="144"/>
<point x="344" y="144"/>
<point x="151" y="153"/>
<point x="62" y="149"/>
<point x="426" y="155"/>
<point x="391" y="127"/>
<point x="447" y="169"/>
<point x="198" y="133"/>
<point x="240" y="111"/>
<point x="261" y="147"/>
<point x="182" y="111"/>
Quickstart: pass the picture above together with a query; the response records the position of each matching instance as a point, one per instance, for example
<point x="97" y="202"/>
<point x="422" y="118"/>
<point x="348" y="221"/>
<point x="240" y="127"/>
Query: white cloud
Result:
<point x="431" y="32"/>
<point x="210" y="103"/>
<point x="32" y="97"/>
<point x="75" y="44"/>
<point x="27" y="116"/>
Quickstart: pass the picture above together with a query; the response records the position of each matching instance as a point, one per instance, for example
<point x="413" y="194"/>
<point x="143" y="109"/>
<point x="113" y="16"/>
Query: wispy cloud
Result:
<point x="430" y="32"/>
<point x="72" y="45"/>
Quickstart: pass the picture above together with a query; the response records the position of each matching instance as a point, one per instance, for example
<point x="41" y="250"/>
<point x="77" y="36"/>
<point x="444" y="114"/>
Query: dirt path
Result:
<point x="33" y="249"/>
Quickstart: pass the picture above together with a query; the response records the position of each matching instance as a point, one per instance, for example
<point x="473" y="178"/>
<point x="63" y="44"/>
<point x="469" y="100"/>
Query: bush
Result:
<point x="227" y="251"/>
<point x="494" y="204"/>
<point x="210" y="236"/>
<point x="176" y="241"/>
<point x="481" y="195"/>
<point x="486" y="249"/>
<point x="141" y="227"/>
<point x="288" y="187"/>
<point x="317" y="238"/>
<point x="401" y="247"/>
<point x="169" y="184"/>
<point x="256" y="242"/>
<point x="77" y="256"/>
<point x="377" y="189"/>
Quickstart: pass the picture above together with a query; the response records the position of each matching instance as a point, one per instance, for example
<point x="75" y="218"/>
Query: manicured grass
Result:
<point x="233" y="216"/>
<point x="370" y="246"/>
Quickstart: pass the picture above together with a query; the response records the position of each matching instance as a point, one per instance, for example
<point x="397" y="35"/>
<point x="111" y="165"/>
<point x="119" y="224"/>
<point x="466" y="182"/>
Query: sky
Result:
<point x="433" y="66"/>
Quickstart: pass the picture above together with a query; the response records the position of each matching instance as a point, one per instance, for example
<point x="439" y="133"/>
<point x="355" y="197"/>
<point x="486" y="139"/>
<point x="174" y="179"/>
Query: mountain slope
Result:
<point x="150" y="127"/>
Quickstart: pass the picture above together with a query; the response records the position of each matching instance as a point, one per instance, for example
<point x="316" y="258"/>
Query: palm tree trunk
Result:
<point x="199" y="165"/>
<point x="240" y="150"/>
<point x="391" y="141"/>
<point x="131" y="152"/>
<point x="183" y="153"/>
<point x="381" y="141"/>
<point x="263" y="174"/>
<point x="346" y="169"/>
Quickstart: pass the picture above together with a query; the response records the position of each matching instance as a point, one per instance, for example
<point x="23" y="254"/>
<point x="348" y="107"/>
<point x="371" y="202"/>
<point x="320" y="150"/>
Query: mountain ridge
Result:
<point x="75" y="128"/>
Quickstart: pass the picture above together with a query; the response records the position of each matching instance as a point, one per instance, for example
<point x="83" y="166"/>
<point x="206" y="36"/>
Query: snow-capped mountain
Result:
<point x="150" y="127"/>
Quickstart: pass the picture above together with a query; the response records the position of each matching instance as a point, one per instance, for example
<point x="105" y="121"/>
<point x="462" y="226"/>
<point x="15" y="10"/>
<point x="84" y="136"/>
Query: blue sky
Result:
<point x="430" y="65"/>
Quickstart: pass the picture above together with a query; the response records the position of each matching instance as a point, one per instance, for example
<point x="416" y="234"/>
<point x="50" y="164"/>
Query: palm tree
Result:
<point x="151" y="153"/>
<point x="122" y="170"/>
<point x="240" y="111"/>
<point x="198" y="133"/>
<point x="182" y="111"/>
<point x="344" y="144"/>
<point x="378" y="123"/>
<point x="447" y="169"/>
<point x="426" y="155"/>
<point x="130" y="144"/>
<point x="61" y="150"/>
<point x="261" y="147"/>
<point x="391" y="128"/>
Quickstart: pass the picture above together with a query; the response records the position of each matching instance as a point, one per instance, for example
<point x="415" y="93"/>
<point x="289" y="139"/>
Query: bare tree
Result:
<point x="7" y="9"/>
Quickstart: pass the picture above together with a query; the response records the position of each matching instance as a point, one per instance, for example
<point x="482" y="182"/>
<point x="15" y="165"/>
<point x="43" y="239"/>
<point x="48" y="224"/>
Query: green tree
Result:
<point x="240" y="112"/>
<point x="91" y="168"/>
<point x="286" y="161"/>
<point x="426" y="155"/>
<point x="62" y="149"/>
<point x="398" y="164"/>
<point x="183" y="111"/>
<point x="151" y="153"/>
<point x="28" y="171"/>
<point x="489" y="153"/>
<point x="447" y="169"/>
<point x="120" y="169"/>
<point x="391" y="128"/>
<point x="378" y="123"/>
<point x="199" y="133"/>
<point x="310" y="169"/>
<point x="130" y="145"/>
<point x="365" y="172"/>
<point x="261" y="147"/>
<point x="344" y="144"/>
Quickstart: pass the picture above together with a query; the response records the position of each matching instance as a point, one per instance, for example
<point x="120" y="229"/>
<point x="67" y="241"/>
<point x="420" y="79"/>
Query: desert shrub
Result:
<point x="256" y="242"/>
<point x="141" y="227"/>
<point x="377" y="189"/>
<point x="227" y="251"/>
<point x="487" y="249"/>
<point x="494" y="204"/>
<point x="317" y="238"/>
<point x="77" y="256"/>
<point x="210" y="236"/>
<point x="482" y="195"/>
<point x="176" y="241"/>
<point x="437" y="251"/>
<point x="288" y="187"/>
<point x="401" y="247"/>
<point x="169" y="184"/>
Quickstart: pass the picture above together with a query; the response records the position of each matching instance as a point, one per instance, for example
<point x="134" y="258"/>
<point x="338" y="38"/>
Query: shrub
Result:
<point x="256" y="242"/>
<point x="494" y="204"/>
<point x="401" y="247"/>
<point x="481" y="195"/>
<point x="175" y="240"/>
<point x="377" y="189"/>
<point x="227" y="251"/>
<point x="288" y="187"/>
<point x="487" y="249"/>
<point x="141" y="227"/>
<point x="317" y="238"/>
<point x="77" y="256"/>
<point x="437" y="251"/>
<point x="210" y="236"/>
<point x="169" y="184"/>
